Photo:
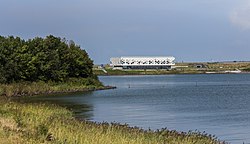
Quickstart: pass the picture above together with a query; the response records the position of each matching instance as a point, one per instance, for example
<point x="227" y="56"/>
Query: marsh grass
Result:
<point x="44" y="123"/>
<point x="40" y="87"/>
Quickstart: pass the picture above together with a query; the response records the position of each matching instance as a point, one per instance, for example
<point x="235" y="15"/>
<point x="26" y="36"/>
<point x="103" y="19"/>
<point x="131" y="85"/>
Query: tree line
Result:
<point x="42" y="59"/>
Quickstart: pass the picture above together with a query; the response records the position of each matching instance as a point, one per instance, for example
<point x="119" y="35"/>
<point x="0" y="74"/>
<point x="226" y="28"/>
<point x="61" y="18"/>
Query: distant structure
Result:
<point x="142" y="62"/>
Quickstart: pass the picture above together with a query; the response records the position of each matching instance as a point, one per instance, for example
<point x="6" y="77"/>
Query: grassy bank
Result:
<point x="42" y="123"/>
<point x="35" y="88"/>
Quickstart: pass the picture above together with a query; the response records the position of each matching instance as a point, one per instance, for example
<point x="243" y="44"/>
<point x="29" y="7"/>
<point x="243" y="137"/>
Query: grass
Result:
<point x="44" y="123"/>
<point x="35" y="88"/>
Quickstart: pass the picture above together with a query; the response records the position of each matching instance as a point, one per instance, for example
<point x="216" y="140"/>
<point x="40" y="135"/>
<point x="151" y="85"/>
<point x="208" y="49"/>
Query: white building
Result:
<point x="142" y="62"/>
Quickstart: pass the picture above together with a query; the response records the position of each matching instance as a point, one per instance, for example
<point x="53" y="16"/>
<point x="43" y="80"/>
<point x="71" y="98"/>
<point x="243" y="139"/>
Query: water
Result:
<point x="218" y="104"/>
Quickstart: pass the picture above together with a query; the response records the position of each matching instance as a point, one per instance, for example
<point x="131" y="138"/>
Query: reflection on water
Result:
<point x="218" y="104"/>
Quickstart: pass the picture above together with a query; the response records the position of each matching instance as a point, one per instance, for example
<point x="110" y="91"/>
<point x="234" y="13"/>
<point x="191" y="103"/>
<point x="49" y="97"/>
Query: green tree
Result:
<point x="45" y="59"/>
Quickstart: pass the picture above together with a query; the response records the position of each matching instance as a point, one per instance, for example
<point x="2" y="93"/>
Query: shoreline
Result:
<point x="195" y="73"/>
<point x="39" y="122"/>
<point x="49" y="132"/>
<point x="42" y="88"/>
<point x="42" y="122"/>
<point x="180" y="68"/>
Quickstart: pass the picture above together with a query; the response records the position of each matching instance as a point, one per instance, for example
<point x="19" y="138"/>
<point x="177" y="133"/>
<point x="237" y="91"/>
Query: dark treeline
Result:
<point x="42" y="59"/>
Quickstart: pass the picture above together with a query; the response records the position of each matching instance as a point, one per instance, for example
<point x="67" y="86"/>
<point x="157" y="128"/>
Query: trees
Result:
<point x="42" y="59"/>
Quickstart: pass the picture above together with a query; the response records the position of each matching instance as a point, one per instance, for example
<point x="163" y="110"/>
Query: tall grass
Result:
<point x="35" y="88"/>
<point x="43" y="123"/>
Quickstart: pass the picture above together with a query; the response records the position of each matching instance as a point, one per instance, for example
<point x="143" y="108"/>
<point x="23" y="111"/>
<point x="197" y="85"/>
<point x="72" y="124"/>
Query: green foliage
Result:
<point x="38" y="59"/>
<point x="42" y="129"/>
<point x="246" y="69"/>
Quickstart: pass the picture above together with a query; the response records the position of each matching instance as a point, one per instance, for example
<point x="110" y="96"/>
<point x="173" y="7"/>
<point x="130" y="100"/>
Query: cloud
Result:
<point x="241" y="16"/>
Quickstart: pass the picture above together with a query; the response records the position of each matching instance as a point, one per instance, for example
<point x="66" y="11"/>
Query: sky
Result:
<point x="189" y="30"/>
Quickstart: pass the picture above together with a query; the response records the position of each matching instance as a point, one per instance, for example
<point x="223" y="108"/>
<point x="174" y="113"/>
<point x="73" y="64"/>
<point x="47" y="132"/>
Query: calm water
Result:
<point x="218" y="104"/>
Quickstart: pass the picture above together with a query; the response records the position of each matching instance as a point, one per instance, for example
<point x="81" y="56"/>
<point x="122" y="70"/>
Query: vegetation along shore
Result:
<point x="54" y="65"/>
<point x="44" y="66"/>
<point x="43" y="123"/>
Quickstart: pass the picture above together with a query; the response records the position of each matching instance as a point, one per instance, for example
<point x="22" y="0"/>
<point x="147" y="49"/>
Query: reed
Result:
<point x="46" y="123"/>
<point x="40" y="87"/>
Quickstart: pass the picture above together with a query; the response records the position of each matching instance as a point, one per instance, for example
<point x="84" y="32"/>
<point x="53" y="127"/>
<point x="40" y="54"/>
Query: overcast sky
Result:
<point x="190" y="30"/>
